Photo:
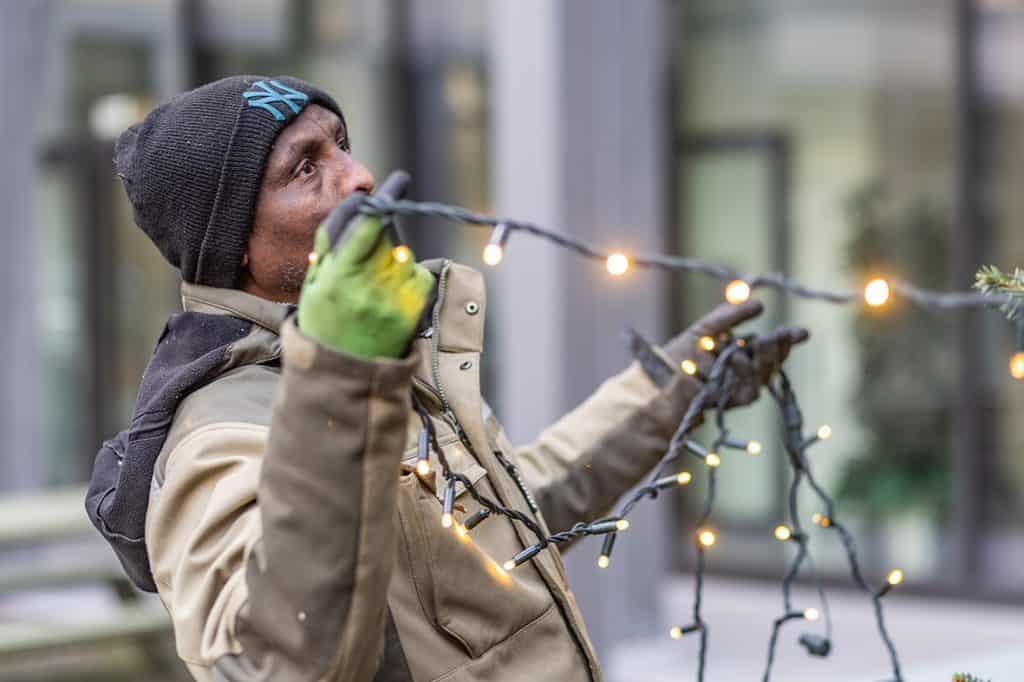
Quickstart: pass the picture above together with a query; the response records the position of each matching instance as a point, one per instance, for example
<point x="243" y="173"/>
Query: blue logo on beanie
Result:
<point x="264" y="96"/>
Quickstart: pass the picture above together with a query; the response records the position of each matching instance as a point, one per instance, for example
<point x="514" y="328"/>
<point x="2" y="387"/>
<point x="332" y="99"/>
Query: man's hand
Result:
<point x="767" y="354"/>
<point x="356" y="297"/>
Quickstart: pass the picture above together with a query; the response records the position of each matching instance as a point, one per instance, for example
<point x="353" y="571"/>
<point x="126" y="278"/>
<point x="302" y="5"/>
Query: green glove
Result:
<point x="356" y="296"/>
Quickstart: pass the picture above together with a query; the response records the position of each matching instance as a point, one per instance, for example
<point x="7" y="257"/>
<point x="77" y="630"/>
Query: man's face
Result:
<point x="308" y="172"/>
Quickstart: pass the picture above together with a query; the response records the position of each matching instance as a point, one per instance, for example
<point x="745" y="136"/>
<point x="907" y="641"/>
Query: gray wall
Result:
<point x="20" y="435"/>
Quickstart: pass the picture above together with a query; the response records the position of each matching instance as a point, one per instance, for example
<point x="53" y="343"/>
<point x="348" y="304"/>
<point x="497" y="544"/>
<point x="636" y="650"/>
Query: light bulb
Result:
<point x="754" y="447"/>
<point x="811" y="614"/>
<point x="684" y="477"/>
<point x="499" y="573"/>
<point x="617" y="264"/>
<point x="493" y="253"/>
<point x="895" y="577"/>
<point x="446" y="520"/>
<point x="825" y="432"/>
<point x="783" y="533"/>
<point x="423" y="467"/>
<point x="876" y="292"/>
<point x="622" y="524"/>
<point x="495" y="249"/>
<point x="737" y="291"/>
<point x="1017" y="365"/>
<point x="313" y="258"/>
<point x="712" y="460"/>
<point x="603" y="561"/>
<point x="509" y="565"/>
<point x="676" y="632"/>
<point x="402" y="253"/>
<point x="706" y="538"/>
<point x="707" y="343"/>
<point x="689" y="367"/>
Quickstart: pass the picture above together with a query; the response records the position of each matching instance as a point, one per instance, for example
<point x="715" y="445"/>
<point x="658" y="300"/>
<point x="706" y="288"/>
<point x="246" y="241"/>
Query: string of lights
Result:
<point x="427" y="440"/>
<point x="715" y="394"/>
<point x="877" y="292"/>
<point x="796" y="445"/>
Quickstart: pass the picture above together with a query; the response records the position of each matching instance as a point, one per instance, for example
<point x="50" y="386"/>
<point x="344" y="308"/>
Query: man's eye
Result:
<point x="343" y="144"/>
<point x="306" y="167"/>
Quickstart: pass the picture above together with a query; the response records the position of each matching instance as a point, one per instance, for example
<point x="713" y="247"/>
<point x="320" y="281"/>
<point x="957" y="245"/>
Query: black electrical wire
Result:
<point x="716" y="393"/>
<point x="380" y="206"/>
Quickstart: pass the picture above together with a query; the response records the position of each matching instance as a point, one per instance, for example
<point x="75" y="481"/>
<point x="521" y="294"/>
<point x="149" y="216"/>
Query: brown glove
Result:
<point x="753" y="369"/>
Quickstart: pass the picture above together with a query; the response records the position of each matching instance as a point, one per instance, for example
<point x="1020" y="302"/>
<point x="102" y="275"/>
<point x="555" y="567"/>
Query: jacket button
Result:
<point x="466" y="364"/>
<point x="472" y="308"/>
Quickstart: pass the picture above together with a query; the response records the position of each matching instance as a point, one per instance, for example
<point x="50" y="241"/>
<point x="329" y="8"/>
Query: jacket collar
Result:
<point x="461" y="309"/>
<point x="461" y="306"/>
<point x="235" y="302"/>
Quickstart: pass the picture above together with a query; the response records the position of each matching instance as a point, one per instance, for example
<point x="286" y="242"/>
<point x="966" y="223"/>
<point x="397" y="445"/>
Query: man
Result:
<point x="267" y="487"/>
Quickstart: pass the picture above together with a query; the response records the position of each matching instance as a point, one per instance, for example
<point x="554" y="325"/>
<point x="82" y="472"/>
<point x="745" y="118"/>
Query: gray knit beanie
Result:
<point x="193" y="168"/>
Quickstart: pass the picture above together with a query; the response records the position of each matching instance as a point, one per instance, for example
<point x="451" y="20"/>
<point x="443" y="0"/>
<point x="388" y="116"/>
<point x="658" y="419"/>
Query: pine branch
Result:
<point x="991" y="280"/>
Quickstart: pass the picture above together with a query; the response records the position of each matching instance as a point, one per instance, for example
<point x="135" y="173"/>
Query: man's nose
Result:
<point x="355" y="178"/>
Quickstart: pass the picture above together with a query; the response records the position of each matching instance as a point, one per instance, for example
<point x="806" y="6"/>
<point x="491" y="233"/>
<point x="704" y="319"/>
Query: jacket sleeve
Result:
<point x="273" y="548"/>
<point x="580" y="465"/>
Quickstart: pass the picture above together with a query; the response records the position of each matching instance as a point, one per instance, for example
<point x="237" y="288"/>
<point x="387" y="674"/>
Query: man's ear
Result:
<point x="245" y="259"/>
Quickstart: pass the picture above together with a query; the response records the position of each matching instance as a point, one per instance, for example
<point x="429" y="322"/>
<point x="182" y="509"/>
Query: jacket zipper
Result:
<point x="438" y="390"/>
<point x="513" y="471"/>
<point x="435" y="359"/>
<point x="435" y="339"/>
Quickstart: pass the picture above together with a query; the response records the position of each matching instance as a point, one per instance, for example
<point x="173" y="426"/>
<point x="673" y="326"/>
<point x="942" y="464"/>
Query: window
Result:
<point x="871" y="111"/>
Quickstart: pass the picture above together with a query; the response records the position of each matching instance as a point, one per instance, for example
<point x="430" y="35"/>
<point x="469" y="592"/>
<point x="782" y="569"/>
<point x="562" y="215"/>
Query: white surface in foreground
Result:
<point x="934" y="638"/>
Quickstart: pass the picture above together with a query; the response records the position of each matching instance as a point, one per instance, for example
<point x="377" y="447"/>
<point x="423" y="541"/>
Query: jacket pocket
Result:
<point x="458" y="575"/>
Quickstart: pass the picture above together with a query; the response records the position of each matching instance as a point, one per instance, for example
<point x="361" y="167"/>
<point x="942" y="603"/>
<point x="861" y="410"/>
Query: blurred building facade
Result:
<point x="829" y="140"/>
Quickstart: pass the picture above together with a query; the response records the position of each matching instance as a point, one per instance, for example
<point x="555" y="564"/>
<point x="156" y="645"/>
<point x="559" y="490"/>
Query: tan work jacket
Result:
<point x="292" y="539"/>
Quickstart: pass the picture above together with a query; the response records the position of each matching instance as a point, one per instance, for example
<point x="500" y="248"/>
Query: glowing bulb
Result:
<point x="825" y="432"/>
<point x="783" y="533"/>
<point x="707" y="343"/>
<point x="402" y="253"/>
<point x="461" y="531"/>
<point x="676" y="632"/>
<point x="312" y="257"/>
<point x="683" y="478"/>
<point x="493" y="253"/>
<point x="817" y="519"/>
<point x="423" y="467"/>
<point x="754" y="447"/>
<point x="895" y="577"/>
<point x="689" y="367"/>
<point x="811" y="614"/>
<point x="603" y="561"/>
<point x="737" y="291"/>
<point x="1017" y="365"/>
<point x="509" y="565"/>
<point x="446" y="520"/>
<point x="825" y="522"/>
<point x="622" y="524"/>
<point x="706" y="538"/>
<point x="499" y="573"/>
<point x="876" y="292"/>
<point x="712" y="460"/>
<point x="617" y="264"/>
